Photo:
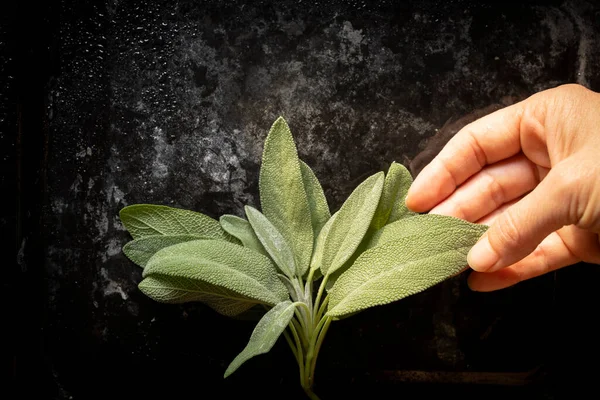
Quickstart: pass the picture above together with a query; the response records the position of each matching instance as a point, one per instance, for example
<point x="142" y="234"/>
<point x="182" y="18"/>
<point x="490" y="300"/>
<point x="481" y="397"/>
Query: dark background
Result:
<point x="106" y="104"/>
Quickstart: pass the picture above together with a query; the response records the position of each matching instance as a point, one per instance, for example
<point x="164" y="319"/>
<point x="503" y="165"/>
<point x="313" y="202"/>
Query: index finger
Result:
<point x="489" y="139"/>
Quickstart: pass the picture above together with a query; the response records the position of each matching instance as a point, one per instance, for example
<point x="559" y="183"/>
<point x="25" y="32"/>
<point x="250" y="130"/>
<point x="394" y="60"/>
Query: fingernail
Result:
<point x="482" y="256"/>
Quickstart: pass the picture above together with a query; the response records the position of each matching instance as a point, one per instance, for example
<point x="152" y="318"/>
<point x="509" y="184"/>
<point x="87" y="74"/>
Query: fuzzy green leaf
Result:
<point x="242" y="230"/>
<point x="402" y="267"/>
<point x="418" y="224"/>
<point x="351" y="224"/>
<point x="317" y="258"/>
<point x="175" y="290"/>
<point x="265" y="334"/>
<point x="141" y="250"/>
<point x="148" y="220"/>
<point x="399" y="209"/>
<point x="317" y="202"/>
<point x="214" y="272"/>
<point x="282" y="195"/>
<point x="396" y="185"/>
<point x="273" y="241"/>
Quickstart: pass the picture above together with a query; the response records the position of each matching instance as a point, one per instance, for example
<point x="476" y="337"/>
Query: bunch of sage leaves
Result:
<point x="304" y="265"/>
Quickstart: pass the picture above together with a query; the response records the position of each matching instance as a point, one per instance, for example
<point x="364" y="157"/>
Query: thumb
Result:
<point x="520" y="229"/>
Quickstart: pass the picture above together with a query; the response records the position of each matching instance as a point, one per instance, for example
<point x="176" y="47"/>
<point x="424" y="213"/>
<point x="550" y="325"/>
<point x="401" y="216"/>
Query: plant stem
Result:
<point x="319" y="294"/>
<point x="322" y="334"/>
<point x="312" y="351"/>
<point x="299" y="328"/>
<point x="304" y="305"/>
<point x="322" y="308"/>
<point x="310" y="276"/>
<point x="311" y="395"/>
<point x="300" y="354"/>
<point x="309" y="327"/>
<point x="293" y="347"/>
<point x="305" y="311"/>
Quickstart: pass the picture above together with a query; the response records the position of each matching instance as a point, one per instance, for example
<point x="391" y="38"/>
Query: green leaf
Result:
<point x="317" y="258"/>
<point x="148" y="220"/>
<point x="175" y="290"/>
<point x="141" y="250"/>
<point x="214" y="272"/>
<point x="265" y="334"/>
<point x="333" y="277"/>
<point x="391" y="205"/>
<point x="242" y="230"/>
<point x="282" y="195"/>
<point x="418" y="224"/>
<point x="273" y="241"/>
<point x="402" y="267"/>
<point x="351" y="224"/>
<point x="317" y="202"/>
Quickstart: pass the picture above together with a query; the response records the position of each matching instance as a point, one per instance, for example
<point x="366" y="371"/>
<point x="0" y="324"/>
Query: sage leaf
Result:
<point x="391" y="206"/>
<point x="351" y="224"/>
<point x="418" y="224"/>
<point x="282" y="195"/>
<point x="399" y="209"/>
<point x="175" y="290"/>
<point x="141" y="250"/>
<point x="214" y="271"/>
<point x="402" y="267"/>
<point x="146" y="220"/>
<point x="317" y="202"/>
<point x="317" y="258"/>
<point x="273" y="241"/>
<point x="265" y="334"/>
<point x="242" y="230"/>
<point x="332" y="278"/>
<point x="292" y="290"/>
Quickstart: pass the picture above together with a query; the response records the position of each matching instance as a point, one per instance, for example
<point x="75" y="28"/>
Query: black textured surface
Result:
<point x="106" y="104"/>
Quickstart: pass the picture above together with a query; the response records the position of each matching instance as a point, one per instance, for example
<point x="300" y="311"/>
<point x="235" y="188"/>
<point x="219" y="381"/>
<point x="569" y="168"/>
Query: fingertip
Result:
<point x="419" y="197"/>
<point x="489" y="282"/>
<point x="472" y="282"/>
<point x="414" y="200"/>
<point x="482" y="257"/>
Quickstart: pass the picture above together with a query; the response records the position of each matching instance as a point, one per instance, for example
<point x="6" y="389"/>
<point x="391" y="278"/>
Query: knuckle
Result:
<point x="460" y="211"/>
<point x="507" y="232"/>
<point x="494" y="190"/>
<point x="573" y="89"/>
<point x="477" y="150"/>
<point x="541" y="256"/>
<point x="567" y="93"/>
<point x="572" y="182"/>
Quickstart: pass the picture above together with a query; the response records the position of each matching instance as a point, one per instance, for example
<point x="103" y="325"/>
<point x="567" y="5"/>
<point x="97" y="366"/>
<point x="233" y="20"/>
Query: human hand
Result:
<point x="532" y="172"/>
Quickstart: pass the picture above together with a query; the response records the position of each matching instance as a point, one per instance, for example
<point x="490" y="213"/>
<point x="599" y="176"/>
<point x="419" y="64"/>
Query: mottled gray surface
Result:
<point x="170" y="102"/>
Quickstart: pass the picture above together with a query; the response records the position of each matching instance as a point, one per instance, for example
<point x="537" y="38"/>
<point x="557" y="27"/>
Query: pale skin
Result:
<point x="531" y="171"/>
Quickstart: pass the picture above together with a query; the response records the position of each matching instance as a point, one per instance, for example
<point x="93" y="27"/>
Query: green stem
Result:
<point x="305" y="316"/>
<point x="293" y="347"/>
<point x="308" y="328"/>
<point x="322" y="334"/>
<point x="311" y="395"/>
<point x="300" y="354"/>
<point x="299" y="288"/>
<point x="299" y="328"/>
<point x="311" y="353"/>
<point x="322" y="308"/>
<point x="319" y="294"/>
<point x="310" y="276"/>
<point x="303" y="304"/>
